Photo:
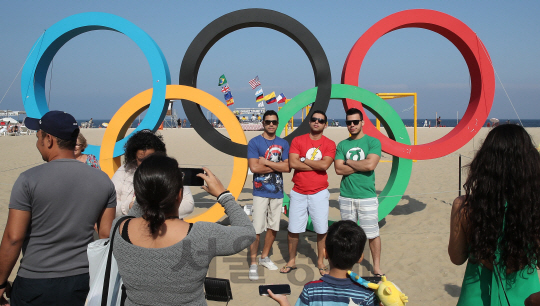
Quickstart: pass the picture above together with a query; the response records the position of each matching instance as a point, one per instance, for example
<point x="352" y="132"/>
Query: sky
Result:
<point x="95" y="73"/>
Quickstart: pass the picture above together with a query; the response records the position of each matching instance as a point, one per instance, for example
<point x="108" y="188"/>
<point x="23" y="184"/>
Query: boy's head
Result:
<point x="345" y="243"/>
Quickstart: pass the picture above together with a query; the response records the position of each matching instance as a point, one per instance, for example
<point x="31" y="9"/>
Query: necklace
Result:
<point x="269" y="145"/>
<point x="172" y="217"/>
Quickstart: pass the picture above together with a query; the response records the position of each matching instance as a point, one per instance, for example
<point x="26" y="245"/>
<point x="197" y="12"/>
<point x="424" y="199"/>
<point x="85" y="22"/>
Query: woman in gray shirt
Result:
<point x="162" y="259"/>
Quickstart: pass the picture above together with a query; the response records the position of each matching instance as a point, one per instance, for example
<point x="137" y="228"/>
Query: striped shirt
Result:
<point x="335" y="291"/>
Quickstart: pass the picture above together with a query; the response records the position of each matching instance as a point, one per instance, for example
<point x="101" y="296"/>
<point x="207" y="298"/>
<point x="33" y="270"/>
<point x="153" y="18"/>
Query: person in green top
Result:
<point x="495" y="227"/>
<point x="356" y="159"/>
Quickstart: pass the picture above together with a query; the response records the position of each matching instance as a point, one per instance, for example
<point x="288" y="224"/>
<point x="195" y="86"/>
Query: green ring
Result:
<point x="401" y="167"/>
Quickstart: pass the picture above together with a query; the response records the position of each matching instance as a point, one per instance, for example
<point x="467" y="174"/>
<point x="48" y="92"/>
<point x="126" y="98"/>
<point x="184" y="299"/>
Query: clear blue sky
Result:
<point x="95" y="73"/>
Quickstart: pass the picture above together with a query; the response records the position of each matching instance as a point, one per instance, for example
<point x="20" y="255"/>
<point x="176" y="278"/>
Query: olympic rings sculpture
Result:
<point x="154" y="99"/>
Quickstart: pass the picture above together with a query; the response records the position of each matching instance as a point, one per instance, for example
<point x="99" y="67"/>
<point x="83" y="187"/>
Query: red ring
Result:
<point x="480" y="70"/>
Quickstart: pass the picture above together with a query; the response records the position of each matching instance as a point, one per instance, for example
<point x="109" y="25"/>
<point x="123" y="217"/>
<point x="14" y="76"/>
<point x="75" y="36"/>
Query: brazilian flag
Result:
<point x="222" y="80"/>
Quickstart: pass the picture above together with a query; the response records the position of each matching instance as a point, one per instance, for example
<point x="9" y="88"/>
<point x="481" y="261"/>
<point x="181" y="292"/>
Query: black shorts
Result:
<point x="71" y="290"/>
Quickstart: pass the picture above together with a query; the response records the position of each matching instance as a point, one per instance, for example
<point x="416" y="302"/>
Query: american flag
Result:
<point x="254" y="82"/>
<point x="225" y="89"/>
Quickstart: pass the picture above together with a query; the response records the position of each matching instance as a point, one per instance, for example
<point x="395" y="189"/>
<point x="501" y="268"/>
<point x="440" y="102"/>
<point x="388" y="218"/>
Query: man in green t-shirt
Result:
<point x="356" y="159"/>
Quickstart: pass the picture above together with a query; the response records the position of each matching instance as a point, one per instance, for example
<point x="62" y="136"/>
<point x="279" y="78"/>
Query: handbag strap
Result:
<point x="105" y="292"/>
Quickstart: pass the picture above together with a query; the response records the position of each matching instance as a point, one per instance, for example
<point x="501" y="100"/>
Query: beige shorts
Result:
<point x="266" y="213"/>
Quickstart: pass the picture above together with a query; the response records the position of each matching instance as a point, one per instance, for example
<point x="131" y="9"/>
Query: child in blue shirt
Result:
<point x="344" y="247"/>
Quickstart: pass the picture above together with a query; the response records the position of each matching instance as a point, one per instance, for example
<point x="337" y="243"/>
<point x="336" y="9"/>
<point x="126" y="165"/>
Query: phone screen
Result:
<point x="276" y="289"/>
<point x="191" y="178"/>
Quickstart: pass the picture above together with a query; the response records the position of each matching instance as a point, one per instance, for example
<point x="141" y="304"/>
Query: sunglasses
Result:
<point x="268" y="122"/>
<point x="355" y="122"/>
<point x="320" y="120"/>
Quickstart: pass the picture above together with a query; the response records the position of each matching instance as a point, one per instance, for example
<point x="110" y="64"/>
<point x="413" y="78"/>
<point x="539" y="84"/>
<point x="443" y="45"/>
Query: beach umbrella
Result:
<point x="105" y="124"/>
<point x="9" y="119"/>
<point x="494" y="120"/>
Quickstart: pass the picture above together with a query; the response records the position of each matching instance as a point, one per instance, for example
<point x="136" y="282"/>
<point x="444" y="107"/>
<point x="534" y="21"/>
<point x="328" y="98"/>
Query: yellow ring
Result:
<point x="125" y="116"/>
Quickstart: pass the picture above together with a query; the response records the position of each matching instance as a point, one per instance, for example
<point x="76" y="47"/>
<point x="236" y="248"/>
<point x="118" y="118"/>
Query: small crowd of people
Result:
<point x="10" y="129"/>
<point x="163" y="259"/>
<point x="249" y="119"/>
<point x="181" y="123"/>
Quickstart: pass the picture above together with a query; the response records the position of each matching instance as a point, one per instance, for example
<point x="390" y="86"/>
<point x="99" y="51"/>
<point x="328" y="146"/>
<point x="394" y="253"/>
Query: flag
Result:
<point x="230" y="102"/>
<point x="261" y="104"/>
<point x="225" y="89"/>
<point x="254" y="82"/>
<point x="228" y="96"/>
<point x="259" y="96"/>
<point x="222" y="80"/>
<point x="281" y="98"/>
<point x="271" y="98"/>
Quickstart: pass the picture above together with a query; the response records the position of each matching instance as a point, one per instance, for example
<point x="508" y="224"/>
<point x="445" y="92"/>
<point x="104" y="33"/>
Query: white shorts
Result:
<point x="266" y="213"/>
<point x="315" y="205"/>
<point x="363" y="211"/>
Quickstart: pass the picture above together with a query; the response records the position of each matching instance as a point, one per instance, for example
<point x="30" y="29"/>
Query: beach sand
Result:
<point x="414" y="235"/>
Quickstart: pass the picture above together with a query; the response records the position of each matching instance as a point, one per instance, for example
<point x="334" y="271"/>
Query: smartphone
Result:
<point x="191" y="178"/>
<point x="276" y="289"/>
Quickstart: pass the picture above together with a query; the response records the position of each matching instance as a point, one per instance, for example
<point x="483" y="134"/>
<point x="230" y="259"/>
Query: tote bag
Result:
<point x="105" y="281"/>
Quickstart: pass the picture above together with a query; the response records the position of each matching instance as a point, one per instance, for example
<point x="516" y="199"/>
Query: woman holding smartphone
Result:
<point x="137" y="148"/>
<point x="496" y="225"/>
<point x="163" y="260"/>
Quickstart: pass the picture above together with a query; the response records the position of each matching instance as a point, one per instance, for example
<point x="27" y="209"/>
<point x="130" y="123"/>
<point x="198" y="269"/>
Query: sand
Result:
<point x="414" y="235"/>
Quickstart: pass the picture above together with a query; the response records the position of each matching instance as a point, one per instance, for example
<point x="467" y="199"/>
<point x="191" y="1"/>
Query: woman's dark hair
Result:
<point x="502" y="203"/>
<point x="344" y="244"/>
<point x="157" y="183"/>
<point x="142" y="140"/>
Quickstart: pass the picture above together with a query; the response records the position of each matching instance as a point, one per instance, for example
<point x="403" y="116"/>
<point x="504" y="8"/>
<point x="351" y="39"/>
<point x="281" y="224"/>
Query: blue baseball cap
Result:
<point x="57" y="123"/>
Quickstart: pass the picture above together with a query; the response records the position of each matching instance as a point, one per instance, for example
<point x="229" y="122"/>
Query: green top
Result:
<point x="484" y="287"/>
<point x="359" y="185"/>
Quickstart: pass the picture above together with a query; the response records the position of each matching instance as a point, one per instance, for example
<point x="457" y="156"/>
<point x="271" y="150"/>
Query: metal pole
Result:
<point x="459" y="175"/>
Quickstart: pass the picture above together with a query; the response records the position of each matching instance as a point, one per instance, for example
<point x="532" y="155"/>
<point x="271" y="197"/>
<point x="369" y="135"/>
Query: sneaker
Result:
<point x="267" y="263"/>
<point x="253" y="275"/>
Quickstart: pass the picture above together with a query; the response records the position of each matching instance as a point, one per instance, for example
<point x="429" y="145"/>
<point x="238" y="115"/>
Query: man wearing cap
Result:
<point x="52" y="212"/>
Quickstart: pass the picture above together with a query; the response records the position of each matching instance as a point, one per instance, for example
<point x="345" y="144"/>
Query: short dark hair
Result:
<point x="354" y="111"/>
<point x="270" y="112"/>
<point x="157" y="183"/>
<point x="345" y="243"/>
<point x="142" y="140"/>
<point x="62" y="143"/>
<point x="320" y="112"/>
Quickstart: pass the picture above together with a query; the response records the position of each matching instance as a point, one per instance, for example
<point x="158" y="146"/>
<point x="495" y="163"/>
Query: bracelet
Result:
<point x="224" y="192"/>
<point x="4" y="285"/>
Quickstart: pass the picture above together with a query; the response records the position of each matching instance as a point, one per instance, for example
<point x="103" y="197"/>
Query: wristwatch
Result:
<point x="302" y="159"/>
<point x="345" y="162"/>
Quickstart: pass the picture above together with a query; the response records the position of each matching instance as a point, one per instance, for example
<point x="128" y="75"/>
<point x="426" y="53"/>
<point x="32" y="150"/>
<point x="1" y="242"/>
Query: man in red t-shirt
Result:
<point x="310" y="155"/>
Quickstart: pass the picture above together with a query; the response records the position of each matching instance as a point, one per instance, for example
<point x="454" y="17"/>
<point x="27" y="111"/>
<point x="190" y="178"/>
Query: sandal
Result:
<point x="288" y="269"/>
<point x="323" y="271"/>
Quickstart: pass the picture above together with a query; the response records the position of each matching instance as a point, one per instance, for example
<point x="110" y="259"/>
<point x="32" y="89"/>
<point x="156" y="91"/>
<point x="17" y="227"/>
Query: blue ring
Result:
<point x="44" y="50"/>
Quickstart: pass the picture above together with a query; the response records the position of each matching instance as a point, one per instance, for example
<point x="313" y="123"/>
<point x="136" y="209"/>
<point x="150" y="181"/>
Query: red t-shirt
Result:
<point x="311" y="182"/>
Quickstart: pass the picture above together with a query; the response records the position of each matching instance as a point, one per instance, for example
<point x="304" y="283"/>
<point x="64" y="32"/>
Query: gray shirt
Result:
<point x="66" y="198"/>
<point x="175" y="275"/>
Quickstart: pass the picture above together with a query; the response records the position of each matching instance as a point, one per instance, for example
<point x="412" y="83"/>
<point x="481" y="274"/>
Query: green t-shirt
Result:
<point x="359" y="185"/>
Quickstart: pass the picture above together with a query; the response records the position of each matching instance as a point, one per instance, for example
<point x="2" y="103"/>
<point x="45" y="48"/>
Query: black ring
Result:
<point x="250" y="18"/>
